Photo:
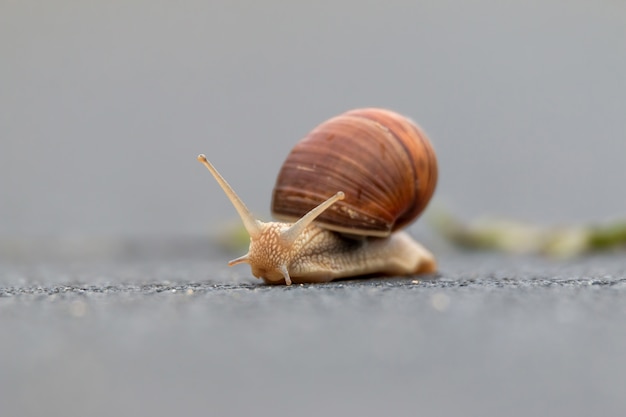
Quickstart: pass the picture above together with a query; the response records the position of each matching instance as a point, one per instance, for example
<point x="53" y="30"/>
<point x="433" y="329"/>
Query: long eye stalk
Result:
<point x="290" y="235"/>
<point x="250" y="223"/>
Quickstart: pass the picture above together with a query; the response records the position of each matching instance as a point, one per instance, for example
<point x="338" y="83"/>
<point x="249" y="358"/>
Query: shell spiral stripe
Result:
<point x="383" y="162"/>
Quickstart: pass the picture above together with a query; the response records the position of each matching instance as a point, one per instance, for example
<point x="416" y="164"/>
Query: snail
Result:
<point x="344" y="193"/>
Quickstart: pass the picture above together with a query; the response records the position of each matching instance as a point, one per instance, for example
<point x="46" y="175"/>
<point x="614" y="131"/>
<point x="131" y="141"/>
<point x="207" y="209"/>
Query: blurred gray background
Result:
<point x="105" y="105"/>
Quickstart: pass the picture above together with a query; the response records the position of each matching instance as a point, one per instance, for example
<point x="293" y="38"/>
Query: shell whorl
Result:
<point x="383" y="162"/>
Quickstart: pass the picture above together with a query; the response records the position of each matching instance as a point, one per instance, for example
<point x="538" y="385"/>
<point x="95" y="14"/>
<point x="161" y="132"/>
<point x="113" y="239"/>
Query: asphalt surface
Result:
<point x="168" y="329"/>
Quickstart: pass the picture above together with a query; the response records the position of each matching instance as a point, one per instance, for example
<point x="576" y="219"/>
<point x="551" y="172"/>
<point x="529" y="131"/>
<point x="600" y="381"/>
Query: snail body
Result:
<point x="382" y="171"/>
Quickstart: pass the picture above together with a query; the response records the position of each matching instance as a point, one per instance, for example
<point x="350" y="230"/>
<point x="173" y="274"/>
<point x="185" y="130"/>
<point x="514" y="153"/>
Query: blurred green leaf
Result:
<point x="233" y="237"/>
<point x="518" y="237"/>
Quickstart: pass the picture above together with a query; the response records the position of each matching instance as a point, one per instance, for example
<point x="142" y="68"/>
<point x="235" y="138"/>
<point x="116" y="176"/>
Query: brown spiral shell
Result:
<point x="381" y="160"/>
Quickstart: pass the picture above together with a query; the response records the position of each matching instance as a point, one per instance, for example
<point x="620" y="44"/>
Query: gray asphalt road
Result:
<point x="178" y="334"/>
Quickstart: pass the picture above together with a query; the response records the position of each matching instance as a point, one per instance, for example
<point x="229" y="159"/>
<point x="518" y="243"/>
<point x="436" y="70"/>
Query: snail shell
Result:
<point x="381" y="160"/>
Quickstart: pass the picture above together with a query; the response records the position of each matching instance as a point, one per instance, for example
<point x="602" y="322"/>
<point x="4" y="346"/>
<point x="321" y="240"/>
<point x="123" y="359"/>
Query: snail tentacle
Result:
<point x="251" y="224"/>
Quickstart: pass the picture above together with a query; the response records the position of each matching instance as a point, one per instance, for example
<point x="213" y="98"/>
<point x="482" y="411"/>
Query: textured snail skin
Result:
<point x="320" y="255"/>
